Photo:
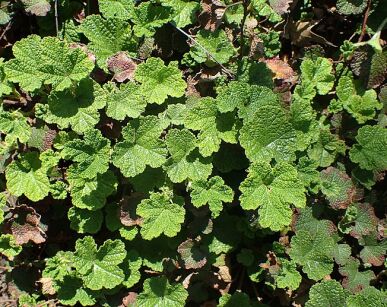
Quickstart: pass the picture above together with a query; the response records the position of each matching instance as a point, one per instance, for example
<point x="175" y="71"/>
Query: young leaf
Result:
<point x="159" y="292"/>
<point x="99" y="267"/>
<point x="362" y="108"/>
<point x="351" y="7"/>
<point x="70" y="291"/>
<point x="183" y="11"/>
<point x="237" y="299"/>
<point x="272" y="190"/>
<point x="185" y="162"/>
<point x="370" y="152"/>
<point x="163" y="213"/>
<point x="46" y="60"/>
<point x="141" y="146"/>
<point x="159" y="81"/>
<point x="92" y="154"/>
<point x="15" y="126"/>
<point x="318" y="74"/>
<point x="212" y="192"/>
<point x="288" y="276"/>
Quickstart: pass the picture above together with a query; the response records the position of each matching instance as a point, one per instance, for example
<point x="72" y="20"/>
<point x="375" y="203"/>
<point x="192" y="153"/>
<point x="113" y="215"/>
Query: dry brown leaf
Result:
<point x="129" y="300"/>
<point x="280" y="6"/>
<point x="128" y="216"/>
<point x="47" y="285"/>
<point x="281" y="70"/>
<point x="212" y="13"/>
<point x="122" y="66"/>
<point x="24" y="225"/>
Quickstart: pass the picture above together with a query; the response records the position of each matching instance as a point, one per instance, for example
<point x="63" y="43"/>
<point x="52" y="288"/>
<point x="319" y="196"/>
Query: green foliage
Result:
<point x="163" y="213"/>
<point x="159" y="292"/>
<point x="186" y="153"/>
<point x="272" y="190"/>
<point x="46" y="60"/>
<point x="159" y="81"/>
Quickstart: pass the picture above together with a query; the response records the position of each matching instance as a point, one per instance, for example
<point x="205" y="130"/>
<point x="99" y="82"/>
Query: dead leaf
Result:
<point x="129" y="300"/>
<point x="36" y="7"/>
<point x="280" y="6"/>
<point x="128" y="216"/>
<point x="301" y="34"/>
<point x="24" y="225"/>
<point x="122" y="66"/>
<point x="47" y="285"/>
<point x="281" y="70"/>
<point x="191" y="255"/>
<point x="212" y="13"/>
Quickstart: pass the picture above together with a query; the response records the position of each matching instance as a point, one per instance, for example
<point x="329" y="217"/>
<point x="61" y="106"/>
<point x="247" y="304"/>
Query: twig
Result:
<point x="56" y="16"/>
<point x="229" y="72"/>
<point x="242" y="43"/>
<point x="364" y="25"/>
<point x="6" y="29"/>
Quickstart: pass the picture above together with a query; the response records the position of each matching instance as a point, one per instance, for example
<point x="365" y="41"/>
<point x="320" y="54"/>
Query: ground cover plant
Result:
<point x="193" y="153"/>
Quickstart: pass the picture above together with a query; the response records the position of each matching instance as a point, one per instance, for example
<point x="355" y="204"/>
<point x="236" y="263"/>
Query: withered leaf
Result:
<point x="122" y="66"/>
<point x="212" y="13"/>
<point x="191" y="255"/>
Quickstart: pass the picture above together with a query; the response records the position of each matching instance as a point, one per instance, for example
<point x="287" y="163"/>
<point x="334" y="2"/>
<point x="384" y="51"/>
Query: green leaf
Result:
<point x="141" y="146"/>
<point x="342" y="254"/>
<point x="212" y="192"/>
<point x="318" y="73"/>
<point x="288" y="276"/>
<point x="373" y="252"/>
<point x="369" y="297"/>
<point x="370" y="152"/>
<point x="183" y="11"/>
<point x="125" y="101"/>
<point x="46" y="60"/>
<point x="99" y="268"/>
<point x="92" y="154"/>
<point x="262" y="8"/>
<point x="235" y="95"/>
<point x="163" y="213"/>
<point x="90" y="194"/>
<point x="272" y="190"/>
<point x="119" y="9"/>
<point x="327" y="293"/>
<point x="214" y="127"/>
<point x="77" y="108"/>
<point x="70" y="291"/>
<point x="237" y="299"/>
<point x="185" y="162"/>
<point x="314" y="252"/>
<point x="8" y="246"/>
<point x="15" y="126"/>
<point x="28" y="176"/>
<point x="354" y="280"/>
<point x="337" y="187"/>
<point x="159" y="81"/>
<point x="85" y="221"/>
<point x="268" y="134"/>
<point x="107" y="37"/>
<point x="212" y="48"/>
<point x="147" y="17"/>
<point x="326" y="149"/>
<point x="132" y="266"/>
<point x="5" y="86"/>
<point x="351" y="7"/>
<point x="159" y="292"/>
<point x="361" y="107"/>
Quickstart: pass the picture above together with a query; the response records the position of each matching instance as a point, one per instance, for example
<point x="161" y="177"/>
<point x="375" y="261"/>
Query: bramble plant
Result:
<point x="193" y="153"/>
